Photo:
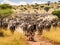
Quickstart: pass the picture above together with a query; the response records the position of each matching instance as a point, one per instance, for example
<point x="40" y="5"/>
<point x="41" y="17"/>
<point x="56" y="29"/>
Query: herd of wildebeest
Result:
<point x="30" y="23"/>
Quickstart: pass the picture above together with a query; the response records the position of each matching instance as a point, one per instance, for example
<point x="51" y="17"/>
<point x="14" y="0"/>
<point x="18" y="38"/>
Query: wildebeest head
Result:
<point x="47" y="26"/>
<point x="54" y="24"/>
<point x="32" y="27"/>
<point x="40" y="26"/>
<point x="5" y="25"/>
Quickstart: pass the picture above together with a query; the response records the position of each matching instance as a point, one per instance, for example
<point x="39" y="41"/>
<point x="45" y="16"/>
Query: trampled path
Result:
<point x="38" y="39"/>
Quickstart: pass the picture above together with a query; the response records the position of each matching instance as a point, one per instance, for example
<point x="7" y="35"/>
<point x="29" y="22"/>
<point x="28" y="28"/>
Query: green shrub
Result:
<point x="56" y="12"/>
<point x="46" y="9"/>
<point x="5" y="6"/>
<point x="6" y="12"/>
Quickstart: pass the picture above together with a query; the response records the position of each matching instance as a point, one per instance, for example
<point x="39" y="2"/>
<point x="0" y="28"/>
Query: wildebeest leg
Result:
<point x="31" y="37"/>
<point x="12" y="31"/>
<point x="48" y="28"/>
<point x="54" y="28"/>
<point x="40" y="32"/>
<point x="25" y="32"/>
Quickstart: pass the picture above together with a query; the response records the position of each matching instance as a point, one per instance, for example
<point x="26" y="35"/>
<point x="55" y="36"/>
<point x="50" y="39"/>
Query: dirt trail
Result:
<point x="38" y="39"/>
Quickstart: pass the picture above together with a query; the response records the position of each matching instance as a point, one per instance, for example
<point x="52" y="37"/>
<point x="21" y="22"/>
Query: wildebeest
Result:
<point x="54" y="24"/>
<point x="5" y="25"/>
<point x="40" y="28"/>
<point x="47" y="26"/>
<point x="12" y="28"/>
<point x="32" y="30"/>
<point x="24" y="27"/>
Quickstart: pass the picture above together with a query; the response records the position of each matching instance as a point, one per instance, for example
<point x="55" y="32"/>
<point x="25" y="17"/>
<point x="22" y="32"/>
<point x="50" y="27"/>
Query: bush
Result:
<point x="46" y="9"/>
<point x="56" y="12"/>
<point x="5" y="12"/>
<point x="5" y="6"/>
<point x="9" y="39"/>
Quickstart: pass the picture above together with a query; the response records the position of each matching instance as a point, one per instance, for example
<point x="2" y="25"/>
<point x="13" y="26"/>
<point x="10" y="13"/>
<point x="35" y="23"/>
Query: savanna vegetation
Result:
<point x="5" y="10"/>
<point x="12" y="37"/>
<point x="39" y="8"/>
<point x="9" y="39"/>
<point x="56" y="12"/>
<point x="6" y="37"/>
<point x="53" y="35"/>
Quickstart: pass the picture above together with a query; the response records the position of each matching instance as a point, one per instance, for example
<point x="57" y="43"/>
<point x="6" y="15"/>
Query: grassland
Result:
<point x="10" y="39"/>
<point x="53" y="35"/>
<point x="19" y="39"/>
<point x="39" y="8"/>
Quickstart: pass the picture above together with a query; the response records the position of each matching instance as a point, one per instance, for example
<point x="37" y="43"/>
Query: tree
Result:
<point x="59" y="1"/>
<point x="5" y="6"/>
<point x="36" y="6"/>
<point x="57" y="13"/>
<point x="46" y="9"/>
<point x="25" y="8"/>
<point x="42" y="6"/>
<point x="48" y="3"/>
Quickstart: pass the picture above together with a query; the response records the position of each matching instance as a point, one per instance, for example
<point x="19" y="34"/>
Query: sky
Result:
<point x="24" y="2"/>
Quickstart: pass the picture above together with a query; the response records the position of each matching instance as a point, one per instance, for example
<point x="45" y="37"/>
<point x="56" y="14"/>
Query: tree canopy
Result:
<point x="47" y="9"/>
<point x="5" y="6"/>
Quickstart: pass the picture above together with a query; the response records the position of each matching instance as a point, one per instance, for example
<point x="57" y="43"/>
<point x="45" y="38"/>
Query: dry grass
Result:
<point x="53" y="34"/>
<point x="19" y="39"/>
<point x="9" y="39"/>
